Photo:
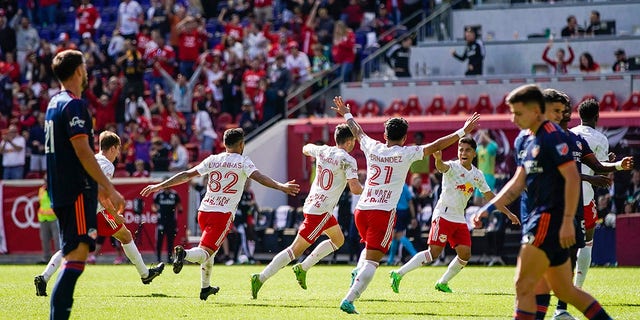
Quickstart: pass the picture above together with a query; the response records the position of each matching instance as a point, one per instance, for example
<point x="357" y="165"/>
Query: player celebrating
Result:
<point x="335" y="169"/>
<point x="73" y="176"/>
<point x="228" y="171"/>
<point x="459" y="179"/>
<point x="387" y="167"/>
<point x="107" y="224"/>
<point x="549" y="172"/>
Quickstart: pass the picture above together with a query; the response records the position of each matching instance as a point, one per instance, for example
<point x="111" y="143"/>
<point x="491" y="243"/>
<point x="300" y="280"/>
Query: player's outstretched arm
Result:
<point x="107" y="193"/>
<point x="569" y="172"/>
<point x="509" y="192"/>
<point x="341" y="108"/>
<point x="605" y="167"/>
<point x="290" y="187"/>
<point x="514" y="219"/>
<point x="598" y="181"/>
<point x="440" y="165"/>
<point x="354" y="186"/>
<point x="178" y="178"/>
<point x="440" y="144"/>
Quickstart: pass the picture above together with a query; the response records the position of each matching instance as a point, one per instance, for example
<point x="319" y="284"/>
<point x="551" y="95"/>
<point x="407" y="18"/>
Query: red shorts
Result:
<point x="107" y="225"/>
<point x="590" y="215"/>
<point x="375" y="228"/>
<point x="315" y="224"/>
<point x="214" y="226"/>
<point x="443" y="231"/>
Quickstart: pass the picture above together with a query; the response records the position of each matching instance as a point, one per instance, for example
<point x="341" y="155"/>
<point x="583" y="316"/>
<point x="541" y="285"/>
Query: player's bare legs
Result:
<point x="457" y="264"/>
<point x="202" y="255"/>
<point x="362" y="279"/>
<point x="133" y="254"/>
<point x="418" y="260"/>
<point x="324" y="248"/>
<point x="531" y="265"/>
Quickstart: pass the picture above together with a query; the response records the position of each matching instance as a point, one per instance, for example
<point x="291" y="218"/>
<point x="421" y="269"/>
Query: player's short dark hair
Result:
<point x="65" y="63"/>
<point x="589" y="110"/>
<point x="233" y="136"/>
<point x="553" y="95"/>
<point x="470" y="141"/>
<point x="342" y="133"/>
<point x="396" y="128"/>
<point x="108" y="139"/>
<point x="527" y="94"/>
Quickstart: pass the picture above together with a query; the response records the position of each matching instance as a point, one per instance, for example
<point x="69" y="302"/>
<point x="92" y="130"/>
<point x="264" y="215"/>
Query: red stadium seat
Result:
<point x="395" y="108"/>
<point x="633" y="103"/>
<point x="503" y="107"/>
<point x="437" y="106"/>
<point x="484" y="105"/>
<point x="609" y="102"/>
<point x="371" y="108"/>
<point x="223" y="121"/>
<point x="413" y="107"/>
<point x="353" y="106"/>
<point x="585" y="98"/>
<point x="461" y="106"/>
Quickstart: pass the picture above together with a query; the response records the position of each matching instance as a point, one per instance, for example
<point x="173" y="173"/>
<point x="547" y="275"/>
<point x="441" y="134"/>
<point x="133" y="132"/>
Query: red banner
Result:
<point x="21" y="228"/>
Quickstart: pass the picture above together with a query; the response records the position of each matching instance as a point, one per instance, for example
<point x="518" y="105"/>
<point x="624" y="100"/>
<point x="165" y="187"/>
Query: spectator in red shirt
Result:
<point x="140" y="171"/>
<point x="251" y="78"/>
<point x="354" y="14"/>
<point x="172" y="122"/>
<point x="191" y="41"/>
<point x="65" y="43"/>
<point x="26" y="120"/>
<point x="87" y="18"/>
<point x="343" y="50"/>
<point x="10" y="67"/>
<point x="263" y="10"/>
<point x="587" y="64"/>
<point x="233" y="27"/>
<point x="104" y="108"/>
<point x="162" y="53"/>
<point x="560" y="63"/>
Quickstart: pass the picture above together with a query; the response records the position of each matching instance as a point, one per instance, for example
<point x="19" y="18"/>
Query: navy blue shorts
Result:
<point x="78" y="222"/>
<point x="403" y="219"/>
<point x="543" y="232"/>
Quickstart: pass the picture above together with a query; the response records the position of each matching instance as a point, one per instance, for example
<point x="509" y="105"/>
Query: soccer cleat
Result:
<point x="301" y="275"/>
<point x="256" y="284"/>
<point x="206" y="292"/>
<point x="562" y="315"/>
<point x="41" y="286"/>
<point x="178" y="261"/>
<point x="354" y="273"/>
<point x="153" y="273"/>
<point x="348" y="307"/>
<point x="443" y="287"/>
<point x="395" y="281"/>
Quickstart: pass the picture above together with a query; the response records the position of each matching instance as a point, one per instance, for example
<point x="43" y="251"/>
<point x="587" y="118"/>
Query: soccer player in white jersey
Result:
<point x="335" y="168"/>
<point x="460" y="178"/>
<point x="228" y="171"/>
<point x="387" y="167"/>
<point x="108" y="224"/>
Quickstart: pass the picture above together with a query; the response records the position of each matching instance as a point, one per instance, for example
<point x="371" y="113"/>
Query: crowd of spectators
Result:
<point x="170" y="75"/>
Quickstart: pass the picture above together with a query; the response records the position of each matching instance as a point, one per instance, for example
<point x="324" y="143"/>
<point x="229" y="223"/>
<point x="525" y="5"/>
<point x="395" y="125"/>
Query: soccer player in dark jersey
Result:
<point x="166" y="204"/>
<point x="74" y="178"/>
<point x="551" y="176"/>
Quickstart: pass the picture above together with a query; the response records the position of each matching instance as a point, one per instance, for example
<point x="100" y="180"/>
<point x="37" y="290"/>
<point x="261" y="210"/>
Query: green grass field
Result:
<point x="115" y="292"/>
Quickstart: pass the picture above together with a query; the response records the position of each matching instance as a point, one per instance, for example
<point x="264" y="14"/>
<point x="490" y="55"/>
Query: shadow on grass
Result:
<point x="153" y="295"/>
<point x="623" y="304"/>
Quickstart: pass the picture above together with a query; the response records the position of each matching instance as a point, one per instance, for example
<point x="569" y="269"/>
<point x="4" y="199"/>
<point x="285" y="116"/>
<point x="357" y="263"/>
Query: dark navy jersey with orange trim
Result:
<point x="67" y="118"/>
<point x="541" y="157"/>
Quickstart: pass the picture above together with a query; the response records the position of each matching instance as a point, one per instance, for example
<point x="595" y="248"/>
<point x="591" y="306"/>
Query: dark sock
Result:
<point x="542" y="300"/>
<point x="561" y="305"/>
<point x="596" y="312"/>
<point x="62" y="295"/>
<point x="524" y="315"/>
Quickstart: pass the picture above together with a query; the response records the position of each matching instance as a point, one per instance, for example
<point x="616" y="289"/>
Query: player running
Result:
<point x="108" y="224"/>
<point x="228" y="171"/>
<point x="335" y="168"/>
<point x="460" y="178"/>
<point x="387" y="167"/>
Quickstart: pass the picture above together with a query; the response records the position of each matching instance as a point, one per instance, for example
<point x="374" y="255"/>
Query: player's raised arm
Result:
<point x="343" y="109"/>
<point x="469" y="125"/>
<point x="440" y="165"/>
<point x="290" y="187"/>
<point x="178" y="178"/>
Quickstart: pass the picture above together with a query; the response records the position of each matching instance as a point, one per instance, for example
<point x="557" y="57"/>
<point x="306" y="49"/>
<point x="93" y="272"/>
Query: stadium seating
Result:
<point x="413" y="107"/>
<point x="461" y="106"/>
<point x="484" y="105"/>
<point x="395" y="108"/>
<point x="585" y="98"/>
<point x="371" y="108"/>
<point x="633" y="103"/>
<point x="609" y="102"/>
<point x="354" y="106"/>
<point x="437" y="106"/>
<point x="503" y="107"/>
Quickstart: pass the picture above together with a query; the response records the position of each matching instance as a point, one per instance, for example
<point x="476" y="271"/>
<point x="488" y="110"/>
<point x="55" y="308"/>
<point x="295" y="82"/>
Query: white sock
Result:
<point x="252" y="247"/>
<point x="362" y="280"/>
<point x="321" y="251"/>
<point x="279" y="261"/>
<point x="420" y="259"/>
<point x="454" y="267"/>
<point x="53" y="265"/>
<point x="205" y="272"/>
<point x="583" y="263"/>
<point x="132" y="252"/>
<point x="197" y="255"/>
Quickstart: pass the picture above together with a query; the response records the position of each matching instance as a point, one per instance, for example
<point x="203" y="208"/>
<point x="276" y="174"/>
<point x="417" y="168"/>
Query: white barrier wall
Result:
<point x="531" y="19"/>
